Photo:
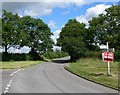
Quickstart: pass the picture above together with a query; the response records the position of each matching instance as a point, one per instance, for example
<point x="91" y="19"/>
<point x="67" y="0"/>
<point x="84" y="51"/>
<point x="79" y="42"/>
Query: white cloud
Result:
<point x="92" y="12"/>
<point x="52" y="24"/>
<point x="41" y="8"/>
<point x="30" y="13"/>
<point x="56" y="48"/>
<point x="55" y="35"/>
<point x="24" y="49"/>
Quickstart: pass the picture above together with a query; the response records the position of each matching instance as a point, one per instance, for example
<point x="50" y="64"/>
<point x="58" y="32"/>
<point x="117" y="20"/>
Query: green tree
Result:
<point x="25" y="31"/>
<point x="10" y="33"/>
<point x="0" y="32"/>
<point x="72" y="39"/>
<point x="107" y="27"/>
<point x="38" y="34"/>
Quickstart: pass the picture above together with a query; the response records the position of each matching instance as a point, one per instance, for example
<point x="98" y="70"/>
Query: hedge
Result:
<point x="98" y="54"/>
<point x="20" y="57"/>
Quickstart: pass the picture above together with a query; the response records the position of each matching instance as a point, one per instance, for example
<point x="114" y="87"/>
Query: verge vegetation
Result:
<point x="96" y="70"/>
<point x="18" y="64"/>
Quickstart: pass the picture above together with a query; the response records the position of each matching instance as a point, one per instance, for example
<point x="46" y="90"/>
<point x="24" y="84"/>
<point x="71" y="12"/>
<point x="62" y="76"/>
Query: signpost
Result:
<point x="108" y="57"/>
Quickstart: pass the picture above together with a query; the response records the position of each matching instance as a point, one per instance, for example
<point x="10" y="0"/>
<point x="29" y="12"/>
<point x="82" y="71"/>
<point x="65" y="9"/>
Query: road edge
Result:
<point x="91" y="80"/>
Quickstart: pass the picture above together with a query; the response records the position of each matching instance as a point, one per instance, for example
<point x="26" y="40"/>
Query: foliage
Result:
<point x="0" y="32"/>
<point x="21" y="57"/>
<point x="10" y="31"/>
<point x="56" y="54"/>
<point x="38" y="34"/>
<point x="93" y="54"/>
<point x="98" y="55"/>
<point x="72" y="40"/>
<point x="25" y="31"/>
<point x="117" y="55"/>
<point x="106" y="27"/>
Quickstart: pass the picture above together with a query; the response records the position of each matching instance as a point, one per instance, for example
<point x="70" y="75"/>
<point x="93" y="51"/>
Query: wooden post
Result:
<point x="108" y="61"/>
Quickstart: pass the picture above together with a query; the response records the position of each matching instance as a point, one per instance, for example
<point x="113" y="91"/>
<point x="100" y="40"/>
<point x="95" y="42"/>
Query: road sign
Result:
<point x="108" y="56"/>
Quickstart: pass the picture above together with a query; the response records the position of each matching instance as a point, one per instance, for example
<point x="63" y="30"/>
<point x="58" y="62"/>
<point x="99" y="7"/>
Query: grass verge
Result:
<point x="95" y="70"/>
<point x="18" y="64"/>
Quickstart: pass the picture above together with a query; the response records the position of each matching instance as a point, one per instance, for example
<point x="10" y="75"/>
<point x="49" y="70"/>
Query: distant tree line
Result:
<point x="76" y="40"/>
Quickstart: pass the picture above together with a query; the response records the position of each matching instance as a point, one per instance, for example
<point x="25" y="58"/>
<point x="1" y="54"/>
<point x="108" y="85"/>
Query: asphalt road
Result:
<point x="51" y="77"/>
<point x="5" y="78"/>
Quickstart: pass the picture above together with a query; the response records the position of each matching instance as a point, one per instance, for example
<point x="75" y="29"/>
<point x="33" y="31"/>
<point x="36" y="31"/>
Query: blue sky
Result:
<point x="57" y="14"/>
<point x="52" y="13"/>
<point x="60" y="16"/>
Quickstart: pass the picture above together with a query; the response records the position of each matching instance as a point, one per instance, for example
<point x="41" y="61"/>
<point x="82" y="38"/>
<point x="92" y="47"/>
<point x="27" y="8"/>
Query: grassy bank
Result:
<point x="18" y="64"/>
<point x="96" y="70"/>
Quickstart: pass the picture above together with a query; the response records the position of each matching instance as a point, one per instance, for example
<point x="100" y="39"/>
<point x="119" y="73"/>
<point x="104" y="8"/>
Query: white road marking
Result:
<point x="11" y="81"/>
<point x="14" y="72"/>
<point x="5" y="91"/>
<point x="8" y="85"/>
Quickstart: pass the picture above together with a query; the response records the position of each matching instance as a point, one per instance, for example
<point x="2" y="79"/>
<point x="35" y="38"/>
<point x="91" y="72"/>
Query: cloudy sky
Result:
<point x="56" y="13"/>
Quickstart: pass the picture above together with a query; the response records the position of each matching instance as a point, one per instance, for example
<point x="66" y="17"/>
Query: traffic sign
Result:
<point x="108" y="56"/>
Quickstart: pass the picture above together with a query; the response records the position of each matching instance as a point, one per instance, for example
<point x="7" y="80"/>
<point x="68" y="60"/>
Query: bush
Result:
<point x="93" y="54"/>
<point x="20" y="57"/>
<point x="52" y="55"/>
<point x="117" y="55"/>
<point x="98" y="54"/>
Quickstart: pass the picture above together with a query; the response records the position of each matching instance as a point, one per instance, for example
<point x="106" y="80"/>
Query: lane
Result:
<point x="51" y="77"/>
<point x="32" y="80"/>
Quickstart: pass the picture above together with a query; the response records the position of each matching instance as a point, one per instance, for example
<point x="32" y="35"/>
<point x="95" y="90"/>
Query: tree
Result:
<point x="107" y="27"/>
<point x="10" y="33"/>
<point x="25" y="31"/>
<point x="0" y="32"/>
<point x="38" y="34"/>
<point x="112" y="26"/>
<point x="72" y="39"/>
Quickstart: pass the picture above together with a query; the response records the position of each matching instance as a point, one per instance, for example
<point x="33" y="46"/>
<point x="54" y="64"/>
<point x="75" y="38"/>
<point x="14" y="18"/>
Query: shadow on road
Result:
<point x="61" y="61"/>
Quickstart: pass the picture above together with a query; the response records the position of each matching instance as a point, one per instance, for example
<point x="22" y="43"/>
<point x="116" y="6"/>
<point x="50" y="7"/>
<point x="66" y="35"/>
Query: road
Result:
<point x="51" y="77"/>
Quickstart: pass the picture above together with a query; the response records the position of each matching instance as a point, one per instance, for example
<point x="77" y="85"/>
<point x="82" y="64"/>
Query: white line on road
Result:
<point x="11" y="81"/>
<point x="14" y="72"/>
<point x="8" y="86"/>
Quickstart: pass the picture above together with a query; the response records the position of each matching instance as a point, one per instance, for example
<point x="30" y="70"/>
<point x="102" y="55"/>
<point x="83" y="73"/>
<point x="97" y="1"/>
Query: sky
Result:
<point x="56" y="13"/>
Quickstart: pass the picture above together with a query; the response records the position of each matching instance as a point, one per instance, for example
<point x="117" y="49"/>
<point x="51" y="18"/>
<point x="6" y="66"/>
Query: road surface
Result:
<point x="51" y="77"/>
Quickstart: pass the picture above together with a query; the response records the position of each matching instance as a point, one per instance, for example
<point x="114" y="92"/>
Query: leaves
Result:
<point x="107" y="27"/>
<point x="25" y="31"/>
<point x="71" y="39"/>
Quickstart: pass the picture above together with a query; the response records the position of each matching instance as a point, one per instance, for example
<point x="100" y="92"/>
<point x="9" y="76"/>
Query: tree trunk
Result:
<point x="6" y="49"/>
<point x="32" y="50"/>
<point x="72" y="58"/>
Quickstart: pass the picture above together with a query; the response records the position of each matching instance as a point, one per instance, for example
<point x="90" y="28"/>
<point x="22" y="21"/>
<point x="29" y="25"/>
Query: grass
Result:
<point x="96" y="70"/>
<point x="18" y="64"/>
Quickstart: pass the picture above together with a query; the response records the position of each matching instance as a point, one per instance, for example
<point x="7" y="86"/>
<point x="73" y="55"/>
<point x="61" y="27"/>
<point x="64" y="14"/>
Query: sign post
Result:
<point x="108" y="61"/>
<point x="108" y="57"/>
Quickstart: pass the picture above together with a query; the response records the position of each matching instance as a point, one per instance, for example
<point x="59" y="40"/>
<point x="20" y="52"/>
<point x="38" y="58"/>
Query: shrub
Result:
<point x="117" y="55"/>
<point x="93" y="54"/>
<point x="57" y="54"/>
<point x="20" y="57"/>
<point x="98" y="54"/>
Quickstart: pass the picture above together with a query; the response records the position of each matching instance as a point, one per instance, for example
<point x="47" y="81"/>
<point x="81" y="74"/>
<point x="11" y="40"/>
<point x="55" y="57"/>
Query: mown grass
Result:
<point x="18" y="64"/>
<point x="96" y="70"/>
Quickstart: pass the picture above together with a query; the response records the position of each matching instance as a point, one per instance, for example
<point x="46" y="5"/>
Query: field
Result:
<point x="96" y="70"/>
<point x="18" y="64"/>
